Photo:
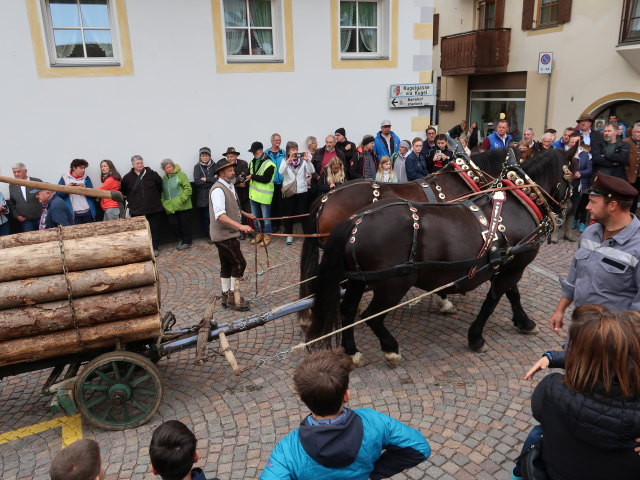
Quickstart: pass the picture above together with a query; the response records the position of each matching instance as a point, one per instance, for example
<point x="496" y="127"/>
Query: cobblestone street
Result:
<point x="473" y="408"/>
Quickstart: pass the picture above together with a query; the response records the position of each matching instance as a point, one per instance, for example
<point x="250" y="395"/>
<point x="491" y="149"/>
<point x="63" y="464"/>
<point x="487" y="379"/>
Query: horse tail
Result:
<point x="308" y="269"/>
<point x="310" y="257"/>
<point x="325" y="315"/>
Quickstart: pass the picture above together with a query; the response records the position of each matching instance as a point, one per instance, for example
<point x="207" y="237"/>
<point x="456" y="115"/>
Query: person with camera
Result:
<point x="294" y="186"/>
<point x="83" y="209"/>
<point x="441" y="155"/>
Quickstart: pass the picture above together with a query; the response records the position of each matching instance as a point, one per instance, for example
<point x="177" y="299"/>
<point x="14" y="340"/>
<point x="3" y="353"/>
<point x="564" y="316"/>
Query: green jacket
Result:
<point x="176" y="191"/>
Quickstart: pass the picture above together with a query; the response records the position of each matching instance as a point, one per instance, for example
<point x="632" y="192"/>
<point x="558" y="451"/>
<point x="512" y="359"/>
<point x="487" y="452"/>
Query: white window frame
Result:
<point x="277" y="28"/>
<point x="54" y="61"/>
<point x="383" y="33"/>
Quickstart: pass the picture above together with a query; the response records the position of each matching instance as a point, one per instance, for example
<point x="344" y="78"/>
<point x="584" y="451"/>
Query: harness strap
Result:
<point x="490" y="235"/>
<point x="459" y="166"/>
<point x="525" y="200"/>
<point x="428" y="192"/>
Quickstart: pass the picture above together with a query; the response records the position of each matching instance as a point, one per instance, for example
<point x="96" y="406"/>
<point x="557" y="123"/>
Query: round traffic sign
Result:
<point x="545" y="59"/>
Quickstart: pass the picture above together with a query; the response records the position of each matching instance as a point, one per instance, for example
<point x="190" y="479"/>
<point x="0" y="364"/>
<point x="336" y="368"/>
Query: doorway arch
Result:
<point x="626" y="105"/>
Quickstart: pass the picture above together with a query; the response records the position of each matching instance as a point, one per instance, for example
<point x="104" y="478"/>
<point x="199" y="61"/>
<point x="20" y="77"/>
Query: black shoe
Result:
<point x="243" y="236"/>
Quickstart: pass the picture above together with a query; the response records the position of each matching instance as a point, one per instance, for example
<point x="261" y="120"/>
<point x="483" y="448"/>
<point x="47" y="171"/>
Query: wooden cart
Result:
<point x="99" y="328"/>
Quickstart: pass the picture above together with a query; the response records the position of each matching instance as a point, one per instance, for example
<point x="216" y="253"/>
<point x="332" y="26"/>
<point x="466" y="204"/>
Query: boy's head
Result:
<point x="172" y="450"/>
<point x="322" y="380"/>
<point x="78" y="461"/>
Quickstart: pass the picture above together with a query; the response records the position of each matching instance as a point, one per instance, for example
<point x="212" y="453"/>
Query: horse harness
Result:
<point x="491" y="254"/>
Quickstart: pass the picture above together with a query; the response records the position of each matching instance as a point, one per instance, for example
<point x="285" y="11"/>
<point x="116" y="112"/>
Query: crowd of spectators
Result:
<point x="279" y="182"/>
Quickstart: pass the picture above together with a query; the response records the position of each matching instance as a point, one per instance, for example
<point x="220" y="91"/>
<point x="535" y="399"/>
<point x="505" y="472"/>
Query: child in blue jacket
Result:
<point x="335" y="442"/>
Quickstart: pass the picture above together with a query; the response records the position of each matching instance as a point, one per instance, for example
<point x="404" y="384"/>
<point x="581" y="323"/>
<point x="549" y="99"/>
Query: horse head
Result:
<point x="552" y="170"/>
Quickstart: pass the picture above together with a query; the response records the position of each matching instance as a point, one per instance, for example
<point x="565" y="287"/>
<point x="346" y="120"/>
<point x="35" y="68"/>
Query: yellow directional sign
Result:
<point x="71" y="430"/>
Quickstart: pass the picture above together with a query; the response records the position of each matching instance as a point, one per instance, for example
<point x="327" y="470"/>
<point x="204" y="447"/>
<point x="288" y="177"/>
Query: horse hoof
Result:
<point x="393" y="359"/>
<point x="448" y="308"/>
<point x="531" y="331"/>
<point x="358" y="359"/>
<point x="305" y="323"/>
<point x="481" y="349"/>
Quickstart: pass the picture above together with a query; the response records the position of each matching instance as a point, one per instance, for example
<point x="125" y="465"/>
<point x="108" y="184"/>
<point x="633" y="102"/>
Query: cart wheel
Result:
<point x="118" y="390"/>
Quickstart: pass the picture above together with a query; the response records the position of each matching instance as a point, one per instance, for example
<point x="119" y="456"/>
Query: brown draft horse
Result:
<point x="434" y="244"/>
<point x="450" y="182"/>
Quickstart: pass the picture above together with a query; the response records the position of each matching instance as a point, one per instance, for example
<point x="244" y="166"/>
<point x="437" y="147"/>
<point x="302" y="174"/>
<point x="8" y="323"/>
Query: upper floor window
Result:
<point x="80" y="32"/>
<point x="547" y="12"/>
<point x="486" y="14"/>
<point x="362" y="29"/>
<point x="252" y="32"/>
<point x="630" y="26"/>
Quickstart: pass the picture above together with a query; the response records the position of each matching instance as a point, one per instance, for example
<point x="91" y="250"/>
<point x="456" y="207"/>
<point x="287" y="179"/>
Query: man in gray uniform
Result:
<point x="605" y="269"/>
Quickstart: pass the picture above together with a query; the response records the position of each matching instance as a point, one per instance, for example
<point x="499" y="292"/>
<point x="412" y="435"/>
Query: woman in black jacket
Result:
<point x="590" y="416"/>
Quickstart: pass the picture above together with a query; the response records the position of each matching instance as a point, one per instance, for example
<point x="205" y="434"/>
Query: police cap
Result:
<point x="612" y="187"/>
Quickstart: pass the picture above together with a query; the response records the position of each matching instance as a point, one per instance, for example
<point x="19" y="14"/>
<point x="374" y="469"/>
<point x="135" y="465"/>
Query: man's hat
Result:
<point x="222" y="164"/>
<point x="255" y="146"/>
<point x="490" y="124"/>
<point x="230" y="151"/>
<point x="585" y="117"/>
<point x="612" y="187"/>
<point x="341" y="131"/>
<point x="385" y="123"/>
<point x="206" y="150"/>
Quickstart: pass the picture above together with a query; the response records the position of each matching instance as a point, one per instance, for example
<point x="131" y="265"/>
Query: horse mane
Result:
<point x="545" y="162"/>
<point x="491" y="160"/>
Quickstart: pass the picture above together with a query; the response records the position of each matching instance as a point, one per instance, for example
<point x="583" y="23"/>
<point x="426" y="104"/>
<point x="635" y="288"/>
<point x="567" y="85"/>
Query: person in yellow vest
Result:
<point x="224" y="207"/>
<point x="262" y="170"/>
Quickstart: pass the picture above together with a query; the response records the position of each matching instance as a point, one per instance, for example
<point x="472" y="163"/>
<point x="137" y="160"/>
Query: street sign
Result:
<point x="412" y="90"/>
<point x="545" y="62"/>
<point x="402" y="102"/>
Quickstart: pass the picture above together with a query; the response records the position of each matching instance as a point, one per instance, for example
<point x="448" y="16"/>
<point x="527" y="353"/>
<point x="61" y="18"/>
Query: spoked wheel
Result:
<point x="118" y="390"/>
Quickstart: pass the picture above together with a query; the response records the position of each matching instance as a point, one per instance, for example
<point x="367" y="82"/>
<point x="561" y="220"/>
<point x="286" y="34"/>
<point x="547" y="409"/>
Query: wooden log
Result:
<point x="20" y="293"/>
<point x="56" y="316"/>
<point x="54" y="187"/>
<point x="228" y="353"/>
<point x="81" y="254"/>
<point x="66" y="342"/>
<point x="96" y="229"/>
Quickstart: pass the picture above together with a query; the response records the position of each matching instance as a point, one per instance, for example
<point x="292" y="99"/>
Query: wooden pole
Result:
<point x="80" y="253"/>
<point x="31" y="291"/>
<point x="56" y="316"/>
<point x="95" y="229"/>
<point x="54" y="187"/>
<point x="66" y="342"/>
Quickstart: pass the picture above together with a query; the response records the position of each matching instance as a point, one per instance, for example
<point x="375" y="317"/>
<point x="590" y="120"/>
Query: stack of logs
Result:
<point x="63" y="291"/>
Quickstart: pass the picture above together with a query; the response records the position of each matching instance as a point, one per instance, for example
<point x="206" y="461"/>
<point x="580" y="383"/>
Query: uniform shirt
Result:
<point x="606" y="272"/>
<point x="218" y="200"/>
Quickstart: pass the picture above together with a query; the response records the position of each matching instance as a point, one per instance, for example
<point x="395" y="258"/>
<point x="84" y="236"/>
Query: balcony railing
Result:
<point x="478" y="51"/>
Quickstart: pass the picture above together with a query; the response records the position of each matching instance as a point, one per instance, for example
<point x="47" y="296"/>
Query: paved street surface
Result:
<point x="473" y="408"/>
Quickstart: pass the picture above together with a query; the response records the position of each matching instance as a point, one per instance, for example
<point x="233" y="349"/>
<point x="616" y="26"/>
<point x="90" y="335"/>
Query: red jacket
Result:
<point x="109" y="184"/>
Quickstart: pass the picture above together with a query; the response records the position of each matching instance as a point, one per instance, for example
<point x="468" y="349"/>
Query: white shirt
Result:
<point x="586" y="137"/>
<point x="23" y="189"/>
<point x="218" y="199"/>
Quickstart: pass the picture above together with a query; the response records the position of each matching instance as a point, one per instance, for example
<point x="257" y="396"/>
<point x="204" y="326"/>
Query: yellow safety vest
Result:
<point x="261" y="192"/>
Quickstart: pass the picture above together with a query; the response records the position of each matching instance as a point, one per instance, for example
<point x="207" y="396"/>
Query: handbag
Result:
<point x="290" y="189"/>
<point x="532" y="464"/>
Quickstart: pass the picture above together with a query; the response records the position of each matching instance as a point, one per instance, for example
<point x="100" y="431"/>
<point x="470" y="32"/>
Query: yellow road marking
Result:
<point x="71" y="430"/>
